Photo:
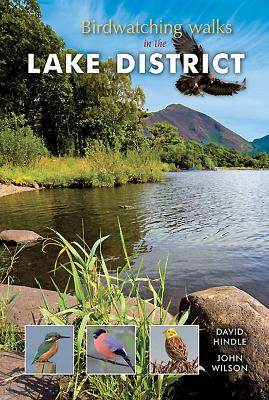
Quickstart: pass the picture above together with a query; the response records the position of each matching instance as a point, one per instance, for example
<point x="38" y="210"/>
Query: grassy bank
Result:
<point x="102" y="169"/>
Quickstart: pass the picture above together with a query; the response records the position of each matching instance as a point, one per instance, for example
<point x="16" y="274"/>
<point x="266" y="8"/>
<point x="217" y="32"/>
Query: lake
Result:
<point x="213" y="226"/>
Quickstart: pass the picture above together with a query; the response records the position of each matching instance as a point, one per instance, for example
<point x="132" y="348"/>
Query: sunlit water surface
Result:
<point x="212" y="225"/>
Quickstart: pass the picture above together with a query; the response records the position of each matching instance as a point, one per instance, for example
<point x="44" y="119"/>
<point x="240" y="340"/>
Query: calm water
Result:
<point x="214" y="226"/>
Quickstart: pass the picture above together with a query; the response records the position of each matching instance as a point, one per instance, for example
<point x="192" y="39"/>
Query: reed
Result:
<point x="9" y="338"/>
<point x="103" y="298"/>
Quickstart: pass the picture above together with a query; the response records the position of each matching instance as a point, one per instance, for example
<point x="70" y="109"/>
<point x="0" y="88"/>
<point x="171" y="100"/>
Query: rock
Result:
<point x="8" y="189"/>
<point x="227" y="307"/>
<point x="24" y="308"/>
<point x="24" y="386"/>
<point x="19" y="236"/>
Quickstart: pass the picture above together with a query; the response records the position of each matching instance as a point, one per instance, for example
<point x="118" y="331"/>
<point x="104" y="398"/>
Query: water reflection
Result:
<point x="212" y="225"/>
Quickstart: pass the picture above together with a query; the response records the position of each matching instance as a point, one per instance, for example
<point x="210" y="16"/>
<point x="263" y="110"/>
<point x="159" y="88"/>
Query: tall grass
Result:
<point x="101" y="168"/>
<point x="9" y="339"/>
<point x="100" y="300"/>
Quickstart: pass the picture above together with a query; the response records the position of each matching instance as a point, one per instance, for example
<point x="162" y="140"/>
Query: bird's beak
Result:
<point x="64" y="337"/>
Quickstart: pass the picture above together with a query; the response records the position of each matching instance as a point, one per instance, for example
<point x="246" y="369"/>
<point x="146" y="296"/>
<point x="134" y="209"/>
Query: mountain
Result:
<point x="197" y="126"/>
<point x="261" y="144"/>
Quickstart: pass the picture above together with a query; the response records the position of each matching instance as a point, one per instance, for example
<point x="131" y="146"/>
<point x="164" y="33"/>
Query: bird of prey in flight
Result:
<point x="200" y="83"/>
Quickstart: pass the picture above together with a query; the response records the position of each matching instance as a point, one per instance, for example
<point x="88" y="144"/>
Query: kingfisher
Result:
<point x="48" y="348"/>
<point x="110" y="347"/>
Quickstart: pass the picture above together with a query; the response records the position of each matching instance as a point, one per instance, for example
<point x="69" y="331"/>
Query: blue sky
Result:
<point x="246" y="113"/>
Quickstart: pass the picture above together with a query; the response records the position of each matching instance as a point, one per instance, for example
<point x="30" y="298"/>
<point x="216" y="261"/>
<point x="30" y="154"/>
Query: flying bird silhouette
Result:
<point x="110" y="347"/>
<point x="200" y="83"/>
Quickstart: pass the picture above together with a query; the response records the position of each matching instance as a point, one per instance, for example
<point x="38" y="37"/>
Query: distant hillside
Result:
<point x="198" y="126"/>
<point x="261" y="144"/>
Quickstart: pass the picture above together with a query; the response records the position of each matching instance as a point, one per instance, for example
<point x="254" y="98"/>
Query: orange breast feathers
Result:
<point x="46" y="356"/>
<point x="102" y="348"/>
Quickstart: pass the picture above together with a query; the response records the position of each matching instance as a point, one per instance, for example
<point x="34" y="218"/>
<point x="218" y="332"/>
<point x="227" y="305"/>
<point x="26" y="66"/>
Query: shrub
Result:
<point x="18" y="143"/>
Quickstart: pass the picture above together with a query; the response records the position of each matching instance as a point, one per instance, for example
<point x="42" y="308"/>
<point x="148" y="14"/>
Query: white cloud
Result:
<point x="245" y="113"/>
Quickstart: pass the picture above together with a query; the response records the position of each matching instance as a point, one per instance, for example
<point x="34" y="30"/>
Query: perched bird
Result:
<point x="200" y="83"/>
<point x="174" y="345"/>
<point x="110" y="347"/>
<point x="48" y="348"/>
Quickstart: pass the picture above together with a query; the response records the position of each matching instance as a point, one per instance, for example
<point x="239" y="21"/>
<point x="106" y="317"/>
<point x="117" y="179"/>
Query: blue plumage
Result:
<point x="113" y="343"/>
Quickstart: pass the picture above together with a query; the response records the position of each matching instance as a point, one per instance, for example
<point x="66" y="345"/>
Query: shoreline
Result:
<point x="8" y="189"/>
<point x="240" y="169"/>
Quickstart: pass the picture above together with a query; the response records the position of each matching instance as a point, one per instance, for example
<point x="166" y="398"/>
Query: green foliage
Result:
<point x="131" y="137"/>
<point x="103" y="299"/>
<point x="9" y="338"/>
<point x="18" y="144"/>
<point x="101" y="168"/>
<point x="133" y="166"/>
<point x="173" y="149"/>
<point x="163" y="129"/>
<point x="262" y="159"/>
<point x="70" y="110"/>
<point x="22" y="32"/>
<point x="108" y="103"/>
<point x="66" y="110"/>
<point x="225" y="157"/>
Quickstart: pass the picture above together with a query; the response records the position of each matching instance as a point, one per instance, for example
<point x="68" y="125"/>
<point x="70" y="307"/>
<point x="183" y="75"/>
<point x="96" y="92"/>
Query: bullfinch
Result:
<point x="109" y="347"/>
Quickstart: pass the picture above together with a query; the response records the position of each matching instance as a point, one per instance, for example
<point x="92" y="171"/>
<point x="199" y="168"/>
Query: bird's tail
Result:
<point x="243" y="84"/>
<point x="128" y="362"/>
<point x="34" y="360"/>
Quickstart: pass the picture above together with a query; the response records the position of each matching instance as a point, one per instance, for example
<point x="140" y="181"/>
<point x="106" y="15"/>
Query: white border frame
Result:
<point x="108" y="373"/>
<point x="175" y="326"/>
<point x="53" y="373"/>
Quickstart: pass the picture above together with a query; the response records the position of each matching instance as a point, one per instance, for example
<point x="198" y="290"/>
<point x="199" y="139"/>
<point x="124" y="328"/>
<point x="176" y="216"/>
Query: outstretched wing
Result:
<point x="188" y="85"/>
<point x="221" y="88"/>
<point x="186" y="44"/>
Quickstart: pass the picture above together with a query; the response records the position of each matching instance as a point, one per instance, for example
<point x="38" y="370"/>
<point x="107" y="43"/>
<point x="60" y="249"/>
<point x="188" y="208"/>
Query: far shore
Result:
<point x="240" y="168"/>
<point x="7" y="189"/>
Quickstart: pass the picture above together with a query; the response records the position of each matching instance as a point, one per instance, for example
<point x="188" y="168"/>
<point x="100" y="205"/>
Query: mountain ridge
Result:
<point x="198" y="126"/>
<point x="261" y="144"/>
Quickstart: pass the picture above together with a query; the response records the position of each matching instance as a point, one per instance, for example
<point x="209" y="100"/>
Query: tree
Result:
<point x="131" y="137"/>
<point x="22" y="32"/>
<point x="66" y="110"/>
<point x="263" y="159"/>
<point x="44" y="100"/>
<point x="108" y="103"/>
<point x="158" y="129"/>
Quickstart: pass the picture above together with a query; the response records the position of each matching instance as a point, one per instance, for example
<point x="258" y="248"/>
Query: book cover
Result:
<point x="134" y="158"/>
